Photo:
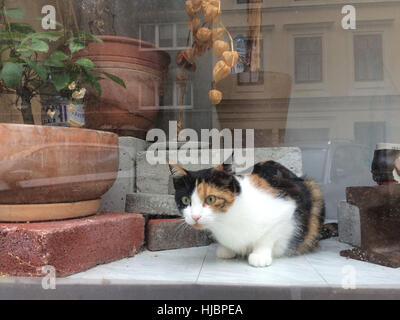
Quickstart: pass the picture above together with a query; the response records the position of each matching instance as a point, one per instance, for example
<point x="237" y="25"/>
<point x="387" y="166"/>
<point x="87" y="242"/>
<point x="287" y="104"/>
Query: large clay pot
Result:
<point x="142" y="67"/>
<point x="54" y="172"/>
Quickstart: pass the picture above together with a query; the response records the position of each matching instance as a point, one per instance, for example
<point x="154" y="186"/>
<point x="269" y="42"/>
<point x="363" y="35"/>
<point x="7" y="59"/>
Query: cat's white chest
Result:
<point x="254" y="214"/>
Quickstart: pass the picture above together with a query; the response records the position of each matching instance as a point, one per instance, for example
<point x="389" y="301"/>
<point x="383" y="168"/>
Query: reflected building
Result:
<point x="316" y="81"/>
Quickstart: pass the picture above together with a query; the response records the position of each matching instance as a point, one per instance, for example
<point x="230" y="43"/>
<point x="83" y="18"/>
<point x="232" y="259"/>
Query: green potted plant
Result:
<point x="25" y="72"/>
<point x="47" y="172"/>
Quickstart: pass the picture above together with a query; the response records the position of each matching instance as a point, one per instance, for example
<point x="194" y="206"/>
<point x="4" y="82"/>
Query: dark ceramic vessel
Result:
<point x="383" y="165"/>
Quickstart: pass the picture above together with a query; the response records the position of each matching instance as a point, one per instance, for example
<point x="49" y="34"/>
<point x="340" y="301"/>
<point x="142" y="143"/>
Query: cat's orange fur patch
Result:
<point x="262" y="184"/>
<point x="314" y="225"/>
<point x="224" y="198"/>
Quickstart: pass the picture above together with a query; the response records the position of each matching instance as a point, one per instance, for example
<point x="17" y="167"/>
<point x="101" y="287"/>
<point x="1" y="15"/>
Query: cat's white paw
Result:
<point x="225" y="253"/>
<point x="260" y="260"/>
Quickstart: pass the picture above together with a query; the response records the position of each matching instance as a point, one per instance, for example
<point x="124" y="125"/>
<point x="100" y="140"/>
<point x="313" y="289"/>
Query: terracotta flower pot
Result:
<point x="142" y="68"/>
<point x="51" y="173"/>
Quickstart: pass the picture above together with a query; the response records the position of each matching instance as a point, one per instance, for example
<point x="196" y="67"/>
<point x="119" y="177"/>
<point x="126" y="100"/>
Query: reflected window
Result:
<point x="244" y="75"/>
<point x="166" y="36"/>
<point x="368" y="57"/>
<point x="308" y="59"/>
<point x="148" y="33"/>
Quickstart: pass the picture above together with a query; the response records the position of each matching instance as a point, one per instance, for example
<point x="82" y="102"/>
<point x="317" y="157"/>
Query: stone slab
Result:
<point x="349" y="224"/>
<point x="69" y="246"/>
<point x="114" y="200"/>
<point x="155" y="178"/>
<point x="168" y="234"/>
<point x="152" y="204"/>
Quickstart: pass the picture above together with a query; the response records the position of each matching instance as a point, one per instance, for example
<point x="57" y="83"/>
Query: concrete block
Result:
<point x="114" y="200"/>
<point x="168" y="234"/>
<point x="70" y="246"/>
<point x="156" y="178"/>
<point x="349" y="224"/>
<point x="152" y="204"/>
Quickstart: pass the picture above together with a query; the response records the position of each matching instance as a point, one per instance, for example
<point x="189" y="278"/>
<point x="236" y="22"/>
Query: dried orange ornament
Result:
<point x="215" y="96"/>
<point x="192" y="10"/>
<point x="217" y="33"/>
<point x="215" y="3"/>
<point x="220" y="47"/>
<point x="221" y="71"/>
<point x="231" y="58"/>
<point x="211" y="13"/>
<point x="194" y="24"/>
<point x="197" y="4"/>
<point x="204" y="34"/>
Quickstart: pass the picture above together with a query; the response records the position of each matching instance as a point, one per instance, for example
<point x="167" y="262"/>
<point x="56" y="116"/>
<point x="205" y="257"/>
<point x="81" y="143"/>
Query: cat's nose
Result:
<point x="196" y="218"/>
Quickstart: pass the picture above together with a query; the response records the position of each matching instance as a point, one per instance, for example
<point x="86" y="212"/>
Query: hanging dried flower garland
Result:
<point x="202" y="15"/>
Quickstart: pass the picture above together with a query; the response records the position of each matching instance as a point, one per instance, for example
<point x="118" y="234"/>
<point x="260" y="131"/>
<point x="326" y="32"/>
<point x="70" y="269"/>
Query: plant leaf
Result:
<point x="84" y="62"/>
<point x="12" y="35"/>
<point x="11" y="74"/>
<point x="59" y="55"/>
<point x="39" y="46"/>
<point x="54" y="63"/>
<point x="115" y="79"/>
<point x="92" y="80"/>
<point x="60" y="80"/>
<point x="76" y="44"/>
<point x="21" y="28"/>
<point x="14" y="13"/>
<point x="56" y="59"/>
<point x="25" y="52"/>
<point x="90" y="37"/>
<point x="41" y="71"/>
<point x="49" y="36"/>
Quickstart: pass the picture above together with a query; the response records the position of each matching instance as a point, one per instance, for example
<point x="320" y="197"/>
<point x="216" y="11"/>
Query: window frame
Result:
<point x="381" y="54"/>
<point x="321" y="53"/>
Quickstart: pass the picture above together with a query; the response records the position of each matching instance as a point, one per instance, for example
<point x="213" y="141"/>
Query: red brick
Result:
<point x="70" y="246"/>
<point x="167" y="234"/>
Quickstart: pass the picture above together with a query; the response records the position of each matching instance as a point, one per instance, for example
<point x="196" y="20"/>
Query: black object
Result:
<point x="383" y="164"/>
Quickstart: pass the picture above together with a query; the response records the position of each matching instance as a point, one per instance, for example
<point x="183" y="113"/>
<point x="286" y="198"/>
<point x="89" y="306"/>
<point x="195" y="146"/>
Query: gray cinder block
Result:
<point x="114" y="200"/>
<point x="349" y="224"/>
<point x="152" y="204"/>
<point x="156" y="178"/>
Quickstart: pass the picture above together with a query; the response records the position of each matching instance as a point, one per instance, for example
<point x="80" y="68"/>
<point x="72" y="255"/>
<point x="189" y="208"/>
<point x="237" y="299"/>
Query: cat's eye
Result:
<point x="211" y="200"/>
<point x="185" y="201"/>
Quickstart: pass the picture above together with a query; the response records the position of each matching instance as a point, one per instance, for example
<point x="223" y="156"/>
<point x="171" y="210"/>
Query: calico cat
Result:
<point x="263" y="215"/>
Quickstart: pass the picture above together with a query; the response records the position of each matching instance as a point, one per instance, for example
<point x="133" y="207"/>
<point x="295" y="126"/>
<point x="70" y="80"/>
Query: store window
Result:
<point x="118" y="122"/>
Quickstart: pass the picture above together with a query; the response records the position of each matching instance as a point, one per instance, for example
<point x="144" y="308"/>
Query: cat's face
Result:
<point x="204" y="196"/>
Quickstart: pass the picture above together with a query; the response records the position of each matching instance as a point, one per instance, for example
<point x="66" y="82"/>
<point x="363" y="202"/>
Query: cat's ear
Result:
<point x="225" y="167"/>
<point x="176" y="171"/>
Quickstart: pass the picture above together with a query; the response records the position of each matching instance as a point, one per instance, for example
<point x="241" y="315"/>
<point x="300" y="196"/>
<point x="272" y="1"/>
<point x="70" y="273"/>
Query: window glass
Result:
<point x="88" y="86"/>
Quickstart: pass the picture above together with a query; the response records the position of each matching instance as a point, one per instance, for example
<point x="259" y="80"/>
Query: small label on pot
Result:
<point x="62" y="114"/>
